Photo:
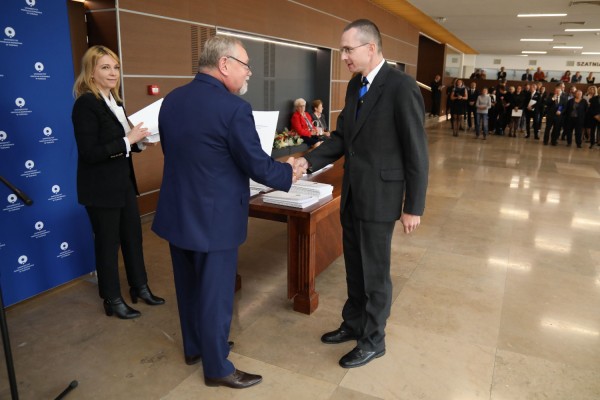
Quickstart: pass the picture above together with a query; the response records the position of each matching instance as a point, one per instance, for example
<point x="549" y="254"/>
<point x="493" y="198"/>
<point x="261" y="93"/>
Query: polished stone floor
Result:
<point x="496" y="296"/>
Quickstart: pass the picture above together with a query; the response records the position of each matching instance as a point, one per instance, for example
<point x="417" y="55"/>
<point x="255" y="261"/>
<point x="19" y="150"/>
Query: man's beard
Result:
<point x="244" y="89"/>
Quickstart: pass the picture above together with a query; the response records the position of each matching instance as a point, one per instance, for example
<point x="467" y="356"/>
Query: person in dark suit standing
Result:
<point x="211" y="149"/>
<point x="501" y="75"/>
<point x="436" y="95"/>
<point x="381" y="135"/>
<point x="575" y="111"/>
<point x="527" y="76"/>
<point x="106" y="183"/>
<point x="532" y="106"/>
<point x="555" y="106"/>
<point x="472" y="96"/>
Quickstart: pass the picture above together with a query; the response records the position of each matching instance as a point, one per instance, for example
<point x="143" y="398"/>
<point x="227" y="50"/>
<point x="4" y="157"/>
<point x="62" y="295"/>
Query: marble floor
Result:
<point x="496" y="296"/>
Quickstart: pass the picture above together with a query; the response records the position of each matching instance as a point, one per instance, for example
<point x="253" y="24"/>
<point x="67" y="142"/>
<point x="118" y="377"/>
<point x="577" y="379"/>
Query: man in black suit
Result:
<point x="532" y="106"/>
<point x="472" y="95"/>
<point x="527" y="76"/>
<point x="381" y="135"/>
<point x="555" y="105"/>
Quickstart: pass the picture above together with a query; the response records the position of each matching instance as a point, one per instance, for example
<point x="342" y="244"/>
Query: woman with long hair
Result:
<point x="106" y="183"/>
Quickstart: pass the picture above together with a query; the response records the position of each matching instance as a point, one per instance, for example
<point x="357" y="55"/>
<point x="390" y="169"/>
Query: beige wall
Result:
<point x="163" y="38"/>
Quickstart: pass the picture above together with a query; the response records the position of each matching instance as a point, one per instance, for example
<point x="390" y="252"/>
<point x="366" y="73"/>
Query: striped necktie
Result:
<point x="361" y="93"/>
<point x="363" y="88"/>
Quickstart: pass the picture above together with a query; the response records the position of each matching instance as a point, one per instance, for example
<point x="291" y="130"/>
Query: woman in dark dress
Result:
<point x="459" y="106"/>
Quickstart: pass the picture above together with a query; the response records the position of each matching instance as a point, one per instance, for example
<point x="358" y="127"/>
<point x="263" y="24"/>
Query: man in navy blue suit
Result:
<point x="211" y="149"/>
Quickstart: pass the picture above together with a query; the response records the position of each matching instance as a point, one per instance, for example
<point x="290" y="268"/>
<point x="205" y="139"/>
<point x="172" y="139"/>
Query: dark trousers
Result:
<point x="205" y="286"/>
<point x="553" y="125"/>
<point x="471" y="112"/>
<point x="435" y="104"/>
<point x="113" y="228"/>
<point x="574" y="124"/>
<point x="535" y="118"/>
<point x="367" y="252"/>
<point x="593" y="128"/>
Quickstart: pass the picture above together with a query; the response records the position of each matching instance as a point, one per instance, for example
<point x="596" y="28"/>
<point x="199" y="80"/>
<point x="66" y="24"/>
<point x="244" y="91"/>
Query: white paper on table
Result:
<point x="266" y="124"/>
<point x="149" y="116"/>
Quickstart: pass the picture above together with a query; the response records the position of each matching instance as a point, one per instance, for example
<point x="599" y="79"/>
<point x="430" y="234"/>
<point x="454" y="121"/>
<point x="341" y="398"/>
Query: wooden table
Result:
<point x="314" y="237"/>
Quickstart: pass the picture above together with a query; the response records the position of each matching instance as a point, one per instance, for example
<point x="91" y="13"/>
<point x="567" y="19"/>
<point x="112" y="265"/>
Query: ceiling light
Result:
<point x="540" y="15"/>
<point x="567" y="47"/>
<point x="582" y="30"/>
<point x="537" y="40"/>
<point x="590" y="52"/>
<point x="533" y="52"/>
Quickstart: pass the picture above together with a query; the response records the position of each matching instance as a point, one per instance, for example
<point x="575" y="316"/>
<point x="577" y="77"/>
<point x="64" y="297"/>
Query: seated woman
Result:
<point x="302" y="123"/>
<point x="318" y="118"/>
<point x="566" y="77"/>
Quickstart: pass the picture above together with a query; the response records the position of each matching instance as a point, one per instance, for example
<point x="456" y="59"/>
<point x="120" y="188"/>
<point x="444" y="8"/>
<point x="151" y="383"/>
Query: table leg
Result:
<point x="302" y="264"/>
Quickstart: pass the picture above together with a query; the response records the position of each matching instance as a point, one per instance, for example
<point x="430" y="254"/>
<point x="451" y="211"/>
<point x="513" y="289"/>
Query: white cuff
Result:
<point x="128" y="146"/>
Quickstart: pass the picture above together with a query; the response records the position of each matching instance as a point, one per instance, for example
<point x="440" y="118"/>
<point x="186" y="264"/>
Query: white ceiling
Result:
<point x="492" y="26"/>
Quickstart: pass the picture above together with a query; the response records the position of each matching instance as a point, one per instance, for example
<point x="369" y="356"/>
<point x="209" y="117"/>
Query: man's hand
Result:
<point x="410" y="222"/>
<point x="301" y="165"/>
<point x="292" y="161"/>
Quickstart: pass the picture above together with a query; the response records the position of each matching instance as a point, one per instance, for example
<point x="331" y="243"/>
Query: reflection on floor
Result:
<point x="497" y="296"/>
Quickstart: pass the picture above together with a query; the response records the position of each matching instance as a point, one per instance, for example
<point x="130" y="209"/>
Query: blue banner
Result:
<point x="50" y="242"/>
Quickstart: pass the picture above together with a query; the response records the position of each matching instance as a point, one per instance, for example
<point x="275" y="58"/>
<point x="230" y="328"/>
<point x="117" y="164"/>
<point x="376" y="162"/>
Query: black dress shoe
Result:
<point x="358" y="357"/>
<point x="191" y="360"/>
<point x="237" y="380"/>
<point x="120" y="309"/>
<point x="340" y="335"/>
<point x="144" y="293"/>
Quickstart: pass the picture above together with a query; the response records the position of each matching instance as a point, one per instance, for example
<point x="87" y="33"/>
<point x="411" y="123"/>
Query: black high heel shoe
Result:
<point x="144" y="293"/>
<point x="120" y="309"/>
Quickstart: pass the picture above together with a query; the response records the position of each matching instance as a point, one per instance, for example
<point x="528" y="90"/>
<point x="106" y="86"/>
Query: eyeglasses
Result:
<point x="349" y="50"/>
<point x="241" y="62"/>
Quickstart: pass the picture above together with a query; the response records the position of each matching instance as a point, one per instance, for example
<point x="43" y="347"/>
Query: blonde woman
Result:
<point x="106" y="183"/>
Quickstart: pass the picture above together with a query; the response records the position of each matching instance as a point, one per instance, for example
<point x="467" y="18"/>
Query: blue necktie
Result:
<point x="363" y="88"/>
<point x="361" y="93"/>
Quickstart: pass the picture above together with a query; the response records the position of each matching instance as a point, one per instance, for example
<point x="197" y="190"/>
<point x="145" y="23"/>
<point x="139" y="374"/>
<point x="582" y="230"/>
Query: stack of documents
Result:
<point x="296" y="200"/>
<point x="315" y="189"/>
<point x="256" y="188"/>
<point x="149" y="116"/>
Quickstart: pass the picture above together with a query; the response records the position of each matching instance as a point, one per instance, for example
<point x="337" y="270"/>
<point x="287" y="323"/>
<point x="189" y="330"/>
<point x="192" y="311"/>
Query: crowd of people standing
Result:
<point x="509" y="110"/>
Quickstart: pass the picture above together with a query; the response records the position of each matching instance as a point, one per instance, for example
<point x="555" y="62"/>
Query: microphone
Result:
<point x="16" y="191"/>
<point x="71" y="386"/>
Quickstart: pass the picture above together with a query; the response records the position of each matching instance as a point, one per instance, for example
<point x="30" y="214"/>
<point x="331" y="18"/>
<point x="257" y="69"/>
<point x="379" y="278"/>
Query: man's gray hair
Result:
<point x="215" y="48"/>
<point x="367" y="31"/>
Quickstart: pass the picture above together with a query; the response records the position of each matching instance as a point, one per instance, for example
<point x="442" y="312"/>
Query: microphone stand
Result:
<point x="10" y="367"/>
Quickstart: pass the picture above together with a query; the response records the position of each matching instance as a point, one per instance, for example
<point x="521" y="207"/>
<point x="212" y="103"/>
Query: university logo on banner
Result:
<point x="56" y="194"/>
<point x="9" y="39"/>
<point x="31" y="8"/>
<point x="39" y="74"/>
<point x="64" y="250"/>
<point x="23" y="264"/>
<point x="4" y="142"/>
<point x="12" y="204"/>
<point x="30" y="170"/>
<point x="21" y="110"/>
<point x="40" y="232"/>
<point x="48" y="137"/>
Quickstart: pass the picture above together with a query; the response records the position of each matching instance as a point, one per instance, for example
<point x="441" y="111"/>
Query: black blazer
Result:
<point x="581" y="110"/>
<point x="104" y="173"/>
<point x="385" y="148"/>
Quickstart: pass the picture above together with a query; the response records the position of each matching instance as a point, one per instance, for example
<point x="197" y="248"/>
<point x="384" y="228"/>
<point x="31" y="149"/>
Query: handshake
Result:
<point x="299" y="167"/>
